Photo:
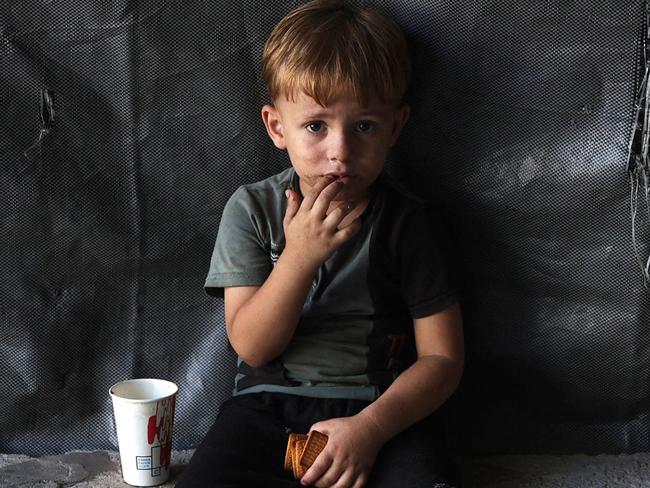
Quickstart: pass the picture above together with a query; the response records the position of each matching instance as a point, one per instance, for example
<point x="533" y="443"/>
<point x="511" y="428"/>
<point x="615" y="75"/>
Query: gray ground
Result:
<point x="100" y="469"/>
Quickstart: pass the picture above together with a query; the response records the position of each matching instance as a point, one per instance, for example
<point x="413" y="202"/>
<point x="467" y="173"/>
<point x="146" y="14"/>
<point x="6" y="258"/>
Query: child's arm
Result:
<point x="261" y="321"/>
<point x="354" y="441"/>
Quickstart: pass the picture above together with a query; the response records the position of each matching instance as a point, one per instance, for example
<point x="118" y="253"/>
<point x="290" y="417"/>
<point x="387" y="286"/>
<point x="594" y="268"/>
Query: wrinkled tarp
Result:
<point x="127" y="125"/>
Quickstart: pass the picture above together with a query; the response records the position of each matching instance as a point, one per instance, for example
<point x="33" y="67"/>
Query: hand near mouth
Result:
<point x="312" y="225"/>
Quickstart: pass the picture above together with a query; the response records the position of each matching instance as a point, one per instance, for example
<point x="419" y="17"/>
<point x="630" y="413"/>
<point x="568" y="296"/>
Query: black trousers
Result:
<point x="246" y="445"/>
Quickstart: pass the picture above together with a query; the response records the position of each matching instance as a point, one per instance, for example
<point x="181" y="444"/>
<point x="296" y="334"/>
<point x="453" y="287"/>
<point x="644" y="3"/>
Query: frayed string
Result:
<point x="47" y="122"/>
<point x="638" y="150"/>
<point x="634" y="198"/>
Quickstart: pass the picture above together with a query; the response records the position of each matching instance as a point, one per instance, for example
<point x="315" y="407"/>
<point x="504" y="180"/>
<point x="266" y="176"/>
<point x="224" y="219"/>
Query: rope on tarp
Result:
<point x="638" y="164"/>
<point x="46" y="114"/>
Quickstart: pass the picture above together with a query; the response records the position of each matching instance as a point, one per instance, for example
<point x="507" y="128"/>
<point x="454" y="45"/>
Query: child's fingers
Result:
<point x="347" y="478"/>
<point x="293" y="203"/>
<point x="327" y="194"/>
<point x="336" y="216"/>
<point x="315" y="472"/>
<point x="316" y="190"/>
<point x="331" y="477"/>
<point x="361" y="481"/>
<point x="347" y="232"/>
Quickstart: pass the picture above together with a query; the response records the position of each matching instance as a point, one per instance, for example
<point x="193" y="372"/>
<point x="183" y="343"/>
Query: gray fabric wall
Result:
<point x="112" y="195"/>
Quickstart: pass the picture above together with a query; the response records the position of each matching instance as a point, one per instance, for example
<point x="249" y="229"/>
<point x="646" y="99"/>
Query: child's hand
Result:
<point x="349" y="455"/>
<point x="312" y="235"/>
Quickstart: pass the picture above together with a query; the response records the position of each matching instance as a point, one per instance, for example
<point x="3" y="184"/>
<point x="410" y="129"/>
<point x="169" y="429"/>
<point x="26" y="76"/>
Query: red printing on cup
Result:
<point x="160" y="426"/>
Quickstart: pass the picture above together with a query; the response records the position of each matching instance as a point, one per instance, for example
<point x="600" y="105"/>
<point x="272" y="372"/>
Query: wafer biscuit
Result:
<point x="298" y="469"/>
<point x="291" y="446"/>
<point x="314" y="445"/>
<point x="302" y="450"/>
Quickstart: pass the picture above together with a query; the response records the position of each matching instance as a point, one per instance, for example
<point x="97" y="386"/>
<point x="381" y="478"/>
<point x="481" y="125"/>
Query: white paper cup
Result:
<point x="144" y="417"/>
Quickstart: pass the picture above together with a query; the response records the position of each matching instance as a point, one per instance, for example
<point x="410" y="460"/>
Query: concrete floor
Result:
<point x="83" y="469"/>
<point x="100" y="469"/>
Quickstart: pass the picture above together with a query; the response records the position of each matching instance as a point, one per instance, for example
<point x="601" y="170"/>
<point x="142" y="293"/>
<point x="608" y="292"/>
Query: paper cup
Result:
<point x="144" y="417"/>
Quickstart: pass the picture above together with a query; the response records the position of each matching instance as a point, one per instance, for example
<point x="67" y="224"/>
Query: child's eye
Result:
<point x="314" y="126"/>
<point x="365" y="126"/>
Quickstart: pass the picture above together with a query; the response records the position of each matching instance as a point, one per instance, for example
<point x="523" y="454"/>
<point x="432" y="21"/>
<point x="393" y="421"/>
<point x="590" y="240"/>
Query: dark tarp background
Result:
<point x="111" y="198"/>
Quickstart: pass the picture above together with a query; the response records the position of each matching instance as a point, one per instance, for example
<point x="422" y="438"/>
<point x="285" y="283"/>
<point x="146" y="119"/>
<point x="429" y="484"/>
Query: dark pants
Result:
<point x="246" y="445"/>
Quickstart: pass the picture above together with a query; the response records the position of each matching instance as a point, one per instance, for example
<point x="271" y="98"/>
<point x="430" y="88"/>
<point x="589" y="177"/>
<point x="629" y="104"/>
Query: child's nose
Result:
<point x="339" y="146"/>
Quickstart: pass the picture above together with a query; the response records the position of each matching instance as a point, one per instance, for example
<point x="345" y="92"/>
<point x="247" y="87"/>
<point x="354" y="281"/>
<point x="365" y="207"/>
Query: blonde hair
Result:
<point x="329" y="49"/>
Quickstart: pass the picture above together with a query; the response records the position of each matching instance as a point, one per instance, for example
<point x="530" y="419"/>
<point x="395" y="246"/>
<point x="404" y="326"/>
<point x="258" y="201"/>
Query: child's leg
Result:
<point x="417" y="457"/>
<point x="244" y="448"/>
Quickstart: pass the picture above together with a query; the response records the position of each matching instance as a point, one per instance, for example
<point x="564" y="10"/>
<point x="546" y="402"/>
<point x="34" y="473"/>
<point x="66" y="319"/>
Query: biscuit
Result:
<point x="302" y="451"/>
<point x="313" y="447"/>
<point x="298" y="469"/>
<point x="291" y="446"/>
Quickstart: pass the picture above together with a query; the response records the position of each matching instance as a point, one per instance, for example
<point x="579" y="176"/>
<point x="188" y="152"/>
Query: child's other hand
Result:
<point x="349" y="455"/>
<point x="312" y="235"/>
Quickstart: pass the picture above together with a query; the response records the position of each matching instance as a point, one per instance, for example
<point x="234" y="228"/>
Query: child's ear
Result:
<point x="273" y="124"/>
<point x="402" y="114"/>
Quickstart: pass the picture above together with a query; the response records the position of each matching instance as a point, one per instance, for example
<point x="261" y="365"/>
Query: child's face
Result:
<point x="343" y="139"/>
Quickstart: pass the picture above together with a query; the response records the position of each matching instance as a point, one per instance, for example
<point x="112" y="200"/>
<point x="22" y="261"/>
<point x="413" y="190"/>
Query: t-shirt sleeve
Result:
<point x="240" y="256"/>
<point x="425" y="266"/>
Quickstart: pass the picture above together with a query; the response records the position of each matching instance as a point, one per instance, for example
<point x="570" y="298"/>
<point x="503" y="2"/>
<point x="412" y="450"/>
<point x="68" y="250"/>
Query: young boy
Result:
<point x="336" y="298"/>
